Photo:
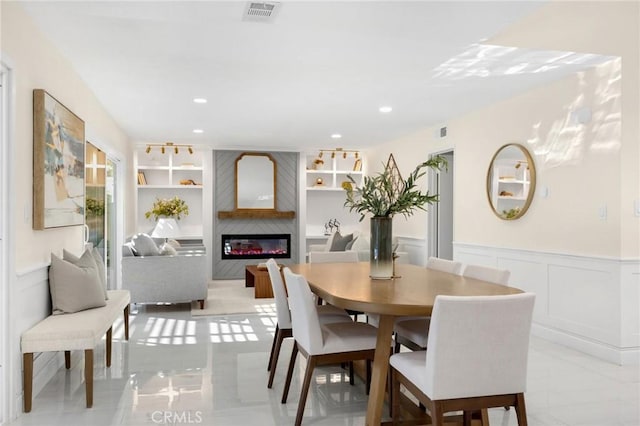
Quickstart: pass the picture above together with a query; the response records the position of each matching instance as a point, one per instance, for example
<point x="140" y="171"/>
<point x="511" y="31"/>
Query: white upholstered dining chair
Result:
<point x="476" y="359"/>
<point x="321" y="343"/>
<point x="326" y="313"/>
<point x="412" y="332"/>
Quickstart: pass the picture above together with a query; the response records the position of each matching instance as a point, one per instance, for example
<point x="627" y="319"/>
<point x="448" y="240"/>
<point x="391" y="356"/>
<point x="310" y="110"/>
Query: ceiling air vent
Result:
<point x="261" y="12"/>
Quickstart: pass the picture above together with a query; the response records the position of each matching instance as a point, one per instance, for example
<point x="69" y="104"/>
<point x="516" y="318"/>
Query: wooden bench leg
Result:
<point x="201" y="303"/>
<point x="27" y="378"/>
<point x="88" y="376"/>
<point x="67" y="359"/>
<point x="126" y="322"/>
<point x="109" y="339"/>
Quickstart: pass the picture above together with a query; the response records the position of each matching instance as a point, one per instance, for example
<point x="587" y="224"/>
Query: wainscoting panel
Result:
<point x="32" y="303"/>
<point x="224" y="199"/>
<point x="589" y="303"/>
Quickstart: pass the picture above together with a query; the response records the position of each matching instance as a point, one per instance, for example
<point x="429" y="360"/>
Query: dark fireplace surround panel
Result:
<point x="256" y="246"/>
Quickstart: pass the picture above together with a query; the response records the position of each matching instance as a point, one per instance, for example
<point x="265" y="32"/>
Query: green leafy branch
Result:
<point x="377" y="194"/>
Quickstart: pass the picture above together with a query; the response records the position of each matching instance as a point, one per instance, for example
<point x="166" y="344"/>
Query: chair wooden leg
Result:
<point x="395" y="396"/>
<point x="126" y="322"/>
<point x="521" y="410"/>
<point x="67" y="359"/>
<point x="308" y="375"/>
<point x="88" y="376"/>
<point x="273" y="345"/>
<point x="274" y="357"/>
<point x="351" y="373"/>
<point x="437" y="415"/>
<point x="108" y="350"/>
<point x="484" y="417"/>
<point x="396" y="346"/>
<point x="368" y="374"/>
<point x="292" y="363"/>
<point x="466" y="418"/>
<point x="27" y="380"/>
<point x="201" y="302"/>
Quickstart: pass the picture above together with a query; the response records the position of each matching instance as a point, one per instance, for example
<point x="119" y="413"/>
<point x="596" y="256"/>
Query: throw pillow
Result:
<point x="360" y="244"/>
<point x="168" y="250"/>
<point x="89" y="260"/>
<point x="340" y="242"/>
<point x="144" y="245"/>
<point x="174" y="243"/>
<point x="101" y="270"/>
<point x="350" y="244"/>
<point x="128" y="250"/>
<point x="74" y="288"/>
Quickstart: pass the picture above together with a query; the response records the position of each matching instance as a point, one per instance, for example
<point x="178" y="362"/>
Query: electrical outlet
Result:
<point x="602" y="212"/>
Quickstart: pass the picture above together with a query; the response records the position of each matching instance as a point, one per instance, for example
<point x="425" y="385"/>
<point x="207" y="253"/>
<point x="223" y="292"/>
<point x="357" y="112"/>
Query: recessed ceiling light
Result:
<point x="336" y="136"/>
<point x="200" y="100"/>
<point x="198" y="131"/>
<point x="385" y="109"/>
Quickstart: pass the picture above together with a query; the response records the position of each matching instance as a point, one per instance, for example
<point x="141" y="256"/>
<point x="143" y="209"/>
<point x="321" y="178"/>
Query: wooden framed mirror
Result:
<point x="255" y="182"/>
<point x="511" y="181"/>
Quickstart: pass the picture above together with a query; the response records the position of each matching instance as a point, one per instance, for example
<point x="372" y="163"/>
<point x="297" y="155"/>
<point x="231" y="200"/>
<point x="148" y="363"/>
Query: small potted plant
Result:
<point x="168" y="207"/>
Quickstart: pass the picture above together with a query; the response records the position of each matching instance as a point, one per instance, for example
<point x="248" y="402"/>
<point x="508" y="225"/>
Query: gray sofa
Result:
<point x="166" y="278"/>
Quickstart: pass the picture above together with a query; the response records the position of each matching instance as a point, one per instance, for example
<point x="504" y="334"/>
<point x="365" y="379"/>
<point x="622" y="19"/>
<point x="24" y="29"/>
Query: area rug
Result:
<point x="228" y="297"/>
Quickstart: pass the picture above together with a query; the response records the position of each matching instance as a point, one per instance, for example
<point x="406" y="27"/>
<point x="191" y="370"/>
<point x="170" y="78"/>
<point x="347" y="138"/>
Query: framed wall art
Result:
<point x="58" y="164"/>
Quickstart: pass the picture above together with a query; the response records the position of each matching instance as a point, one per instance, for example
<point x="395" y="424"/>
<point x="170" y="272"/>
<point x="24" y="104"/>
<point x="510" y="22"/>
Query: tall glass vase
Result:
<point x="381" y="249"/>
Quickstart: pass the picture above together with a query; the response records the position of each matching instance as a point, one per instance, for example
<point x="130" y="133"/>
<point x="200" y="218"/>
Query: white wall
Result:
<point x="37" y="64"/>
<point x="584" y="268"/>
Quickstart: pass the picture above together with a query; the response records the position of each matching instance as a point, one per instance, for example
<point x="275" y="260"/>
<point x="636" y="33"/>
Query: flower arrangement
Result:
<point x="386" y="194"/>
<point x="170" y="207"/>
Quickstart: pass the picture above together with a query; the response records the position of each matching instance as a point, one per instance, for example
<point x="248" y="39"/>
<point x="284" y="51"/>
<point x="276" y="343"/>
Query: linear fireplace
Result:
<point x="256" y="246"/>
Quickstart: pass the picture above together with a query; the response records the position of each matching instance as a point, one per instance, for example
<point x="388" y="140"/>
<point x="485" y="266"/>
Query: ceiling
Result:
<point x="314" y="69"/>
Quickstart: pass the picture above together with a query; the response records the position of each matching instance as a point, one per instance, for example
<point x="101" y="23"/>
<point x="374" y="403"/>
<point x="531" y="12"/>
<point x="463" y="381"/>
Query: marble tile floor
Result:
<point x="178" y="369"/>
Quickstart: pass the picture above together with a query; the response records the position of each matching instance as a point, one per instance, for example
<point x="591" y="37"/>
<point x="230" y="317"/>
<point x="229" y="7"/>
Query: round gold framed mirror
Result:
<point x="511" y="181"/>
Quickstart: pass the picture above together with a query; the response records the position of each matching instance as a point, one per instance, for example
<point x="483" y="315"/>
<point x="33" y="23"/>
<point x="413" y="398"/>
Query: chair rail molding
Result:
<point x="589" y="303"/>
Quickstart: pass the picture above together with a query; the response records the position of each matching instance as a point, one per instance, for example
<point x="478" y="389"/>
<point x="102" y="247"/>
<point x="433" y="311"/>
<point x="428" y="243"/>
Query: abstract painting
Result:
<point x="58" y="164"/>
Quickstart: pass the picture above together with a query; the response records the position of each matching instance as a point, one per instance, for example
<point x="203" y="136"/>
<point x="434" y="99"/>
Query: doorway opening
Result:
<point x="440" y="226"/>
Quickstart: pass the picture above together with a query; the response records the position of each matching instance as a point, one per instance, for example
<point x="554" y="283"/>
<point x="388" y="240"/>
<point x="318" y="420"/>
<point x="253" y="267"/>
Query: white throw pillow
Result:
<point x="74" y="288"/>
<point x="361" y="244"/>
<point x="144" y="245"/>
<point x="168" y="250"/>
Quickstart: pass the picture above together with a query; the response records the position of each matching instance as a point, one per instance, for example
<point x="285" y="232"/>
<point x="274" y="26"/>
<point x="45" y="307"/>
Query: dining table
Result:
<point x="412" y="292"/>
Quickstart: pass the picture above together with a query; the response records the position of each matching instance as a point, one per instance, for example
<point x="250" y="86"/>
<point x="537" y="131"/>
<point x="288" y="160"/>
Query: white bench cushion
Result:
<point x="80" y="330"/>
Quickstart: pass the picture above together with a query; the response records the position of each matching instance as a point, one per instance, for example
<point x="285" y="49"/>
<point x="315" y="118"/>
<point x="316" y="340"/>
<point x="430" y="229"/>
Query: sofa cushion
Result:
<point x="75" y="287"/>
<point x="144" y="245"/>
<point x="339" y="242"/>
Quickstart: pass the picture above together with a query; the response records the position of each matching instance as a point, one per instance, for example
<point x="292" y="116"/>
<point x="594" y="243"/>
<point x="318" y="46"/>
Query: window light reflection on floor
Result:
<point x="230" y="330"/>
<point x="163" y="331"/>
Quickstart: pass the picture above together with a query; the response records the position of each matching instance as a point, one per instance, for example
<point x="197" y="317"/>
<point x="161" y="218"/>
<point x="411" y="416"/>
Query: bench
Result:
<point x="78" y="331"/>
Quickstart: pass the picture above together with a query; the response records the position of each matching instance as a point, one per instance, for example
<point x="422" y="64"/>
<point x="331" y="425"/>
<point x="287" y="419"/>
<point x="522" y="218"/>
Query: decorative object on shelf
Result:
<point x="383" y="196"/>
<point x="357" y="165"/>
<point x="506" y="194"/>
<point x="170" y="145"/>
<point x="166" y="227"/>
<point x="317" y="163"/>
<point x="319" y="182"/>
<point x="142" y="179"/>
<point x="329" y="226"/>
<point x="168" y="207"/>
<point x="189" y="182"/>
<point x="511" y="213"/>
<point x="58" y="164"/>
<point x="346" y="185"/>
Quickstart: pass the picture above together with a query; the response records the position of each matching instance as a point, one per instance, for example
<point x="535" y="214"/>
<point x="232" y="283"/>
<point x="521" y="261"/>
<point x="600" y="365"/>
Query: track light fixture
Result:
<point x="169" y="145"/>
<point x="345" y="152"/>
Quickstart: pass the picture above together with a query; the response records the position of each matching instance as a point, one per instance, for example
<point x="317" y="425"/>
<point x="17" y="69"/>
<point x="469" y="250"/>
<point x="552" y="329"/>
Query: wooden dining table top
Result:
<point x="349" y="286"/>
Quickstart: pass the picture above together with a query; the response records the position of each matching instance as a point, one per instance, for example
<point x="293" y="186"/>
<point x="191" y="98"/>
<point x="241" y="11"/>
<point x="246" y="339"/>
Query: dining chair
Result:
<point x="326" y="313"/>
<point x="336" y="257"/>
<point x="486" y="273"/>
<point x="476" y="358"/>
<point x="321" y="343"/>
<point x="411" y="331"/>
